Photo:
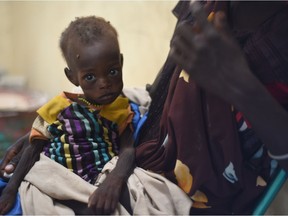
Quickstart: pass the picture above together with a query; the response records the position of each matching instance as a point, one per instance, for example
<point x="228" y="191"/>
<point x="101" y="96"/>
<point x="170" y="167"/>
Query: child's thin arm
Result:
<point x="126" y="161"/>
<point x="29" y="157"/>
<point x="104" y="199"/>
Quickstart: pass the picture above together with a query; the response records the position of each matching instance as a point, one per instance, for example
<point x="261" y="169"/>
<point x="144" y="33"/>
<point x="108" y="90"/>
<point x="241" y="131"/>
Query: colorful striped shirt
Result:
<point x="82" y="138"/>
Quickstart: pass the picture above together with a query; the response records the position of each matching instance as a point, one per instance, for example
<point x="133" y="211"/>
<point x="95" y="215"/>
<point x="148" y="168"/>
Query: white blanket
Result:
<point x="150" y="193"/>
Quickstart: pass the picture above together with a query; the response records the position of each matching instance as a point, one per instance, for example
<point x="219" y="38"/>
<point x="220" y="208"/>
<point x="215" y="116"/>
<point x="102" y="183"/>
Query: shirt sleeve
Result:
<point x="39" y="130"/>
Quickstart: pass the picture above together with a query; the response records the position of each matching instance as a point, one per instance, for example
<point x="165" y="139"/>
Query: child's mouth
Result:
<point x="107" y="97"/>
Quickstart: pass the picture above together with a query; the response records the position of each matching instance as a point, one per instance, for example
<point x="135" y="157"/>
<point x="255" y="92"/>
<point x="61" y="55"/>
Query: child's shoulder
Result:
<point x="55" y="105"/>
<point x="120" y="103"/>
<point x="119" y="111"/>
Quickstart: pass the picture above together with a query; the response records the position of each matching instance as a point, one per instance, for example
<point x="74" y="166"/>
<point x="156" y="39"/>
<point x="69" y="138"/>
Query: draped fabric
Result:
<point x="149" y="193"/>
<point x="203" y="144"/>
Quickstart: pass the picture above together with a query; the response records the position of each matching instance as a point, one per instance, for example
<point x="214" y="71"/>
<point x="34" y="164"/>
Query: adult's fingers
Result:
<point x="221" y="24"/>
<point x="200" y="17"/>
<point x="181" y="59"/>
<point x="183" y="33"/>
<point x="182" y="43"/>
<point x="13" y="154"/>
<point x="10" y="167"/>
<point x="7" y="171"/>
<point x="220" y="21"/>
<point x="6" y="160"/>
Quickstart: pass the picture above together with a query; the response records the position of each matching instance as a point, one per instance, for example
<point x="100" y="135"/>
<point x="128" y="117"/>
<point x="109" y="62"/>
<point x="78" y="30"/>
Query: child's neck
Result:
<point x="84" y="101"/>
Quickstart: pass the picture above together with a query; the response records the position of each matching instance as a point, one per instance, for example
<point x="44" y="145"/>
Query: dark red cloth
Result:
<point x="204" y="132"/>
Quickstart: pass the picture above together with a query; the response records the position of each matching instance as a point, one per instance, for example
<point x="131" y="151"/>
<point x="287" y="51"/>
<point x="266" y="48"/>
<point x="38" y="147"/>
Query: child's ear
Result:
<point x="69" y="74"/>
<point x="121" y="59"/>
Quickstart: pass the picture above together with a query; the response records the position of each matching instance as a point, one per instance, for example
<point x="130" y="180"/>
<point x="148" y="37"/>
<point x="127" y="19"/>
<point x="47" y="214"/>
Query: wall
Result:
<point x="30" y="31"/>
<point x="5" y="37"/>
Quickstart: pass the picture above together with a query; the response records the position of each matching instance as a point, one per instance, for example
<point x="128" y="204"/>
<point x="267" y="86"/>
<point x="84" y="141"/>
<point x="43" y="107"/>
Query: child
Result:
<point x="81" y="131"/>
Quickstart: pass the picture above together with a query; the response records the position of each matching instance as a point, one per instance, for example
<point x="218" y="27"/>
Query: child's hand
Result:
<point x="105" y="198"/>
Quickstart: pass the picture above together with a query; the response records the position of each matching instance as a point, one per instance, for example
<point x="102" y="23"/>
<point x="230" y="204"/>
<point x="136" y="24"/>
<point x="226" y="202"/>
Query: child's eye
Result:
<point x="89" y="78"/>
<point x="113" y="72"/>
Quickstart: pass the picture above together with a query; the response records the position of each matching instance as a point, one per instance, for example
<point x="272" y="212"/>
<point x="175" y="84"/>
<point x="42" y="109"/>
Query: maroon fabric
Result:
<point x="201" y="133"/>
<point x="202" y="130"/>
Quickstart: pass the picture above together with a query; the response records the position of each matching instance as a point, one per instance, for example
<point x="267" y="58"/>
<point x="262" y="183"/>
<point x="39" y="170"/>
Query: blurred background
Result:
<point x="31" y="64"/>
<point x="30" y="32"/>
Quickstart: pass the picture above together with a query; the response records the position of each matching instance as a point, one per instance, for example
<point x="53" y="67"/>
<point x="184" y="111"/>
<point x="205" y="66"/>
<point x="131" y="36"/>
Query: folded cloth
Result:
<point x="150" y="193"/>
<point x="139" y="96"/>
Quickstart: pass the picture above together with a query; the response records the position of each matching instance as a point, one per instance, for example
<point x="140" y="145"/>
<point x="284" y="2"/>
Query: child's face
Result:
<point x="98" y="70"/>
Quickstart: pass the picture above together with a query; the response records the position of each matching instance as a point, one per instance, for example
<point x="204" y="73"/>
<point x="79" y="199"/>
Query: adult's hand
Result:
<point x="12" y="156"/>
<point x="209" y="54"/>
<point x="215" y="61"/>
<point x="7" y="200"/>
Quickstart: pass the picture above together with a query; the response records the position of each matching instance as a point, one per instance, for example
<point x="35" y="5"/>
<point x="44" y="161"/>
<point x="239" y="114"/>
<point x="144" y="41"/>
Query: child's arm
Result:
<point x="29" y="157"/>
<point x="104" y="200"/>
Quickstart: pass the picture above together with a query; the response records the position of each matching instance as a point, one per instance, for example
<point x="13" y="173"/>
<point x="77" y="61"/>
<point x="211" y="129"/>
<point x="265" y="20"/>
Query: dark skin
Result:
<point x="232" y="79"/>
<point x="13" y="155"/>
<point x="240" y="88"/>
<point x="29" y="157"/>
<point x="98" y="70"/>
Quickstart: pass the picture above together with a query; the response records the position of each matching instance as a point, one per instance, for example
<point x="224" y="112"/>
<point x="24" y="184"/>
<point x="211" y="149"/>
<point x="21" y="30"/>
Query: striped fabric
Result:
<point x="83" y="141"/>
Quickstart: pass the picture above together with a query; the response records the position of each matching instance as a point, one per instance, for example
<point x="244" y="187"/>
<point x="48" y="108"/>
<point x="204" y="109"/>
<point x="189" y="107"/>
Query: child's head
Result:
<point x="91" y="49"/>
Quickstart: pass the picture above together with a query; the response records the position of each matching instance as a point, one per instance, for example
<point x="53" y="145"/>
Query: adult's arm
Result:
<point x="29" y="157"/>
<point x="105" y="198"/>
<point x="215" y="61"/>
<point x="13" y="155"/>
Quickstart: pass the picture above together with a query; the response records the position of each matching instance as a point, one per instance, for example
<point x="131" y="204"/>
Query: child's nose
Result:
<point x="104" y="83"/>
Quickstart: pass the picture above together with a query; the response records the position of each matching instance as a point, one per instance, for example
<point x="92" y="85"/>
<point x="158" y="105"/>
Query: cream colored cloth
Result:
<point x="139" y="96"/>
<point x="150" y="193"/>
